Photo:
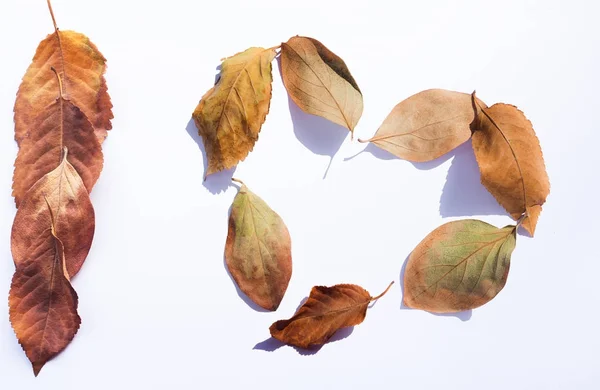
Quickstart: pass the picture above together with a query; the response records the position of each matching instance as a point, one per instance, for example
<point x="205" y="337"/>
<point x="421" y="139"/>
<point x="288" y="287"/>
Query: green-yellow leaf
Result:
<point x="231" y="113"/>
<point x="258" y="250"/>
<point x="460" y="265"/>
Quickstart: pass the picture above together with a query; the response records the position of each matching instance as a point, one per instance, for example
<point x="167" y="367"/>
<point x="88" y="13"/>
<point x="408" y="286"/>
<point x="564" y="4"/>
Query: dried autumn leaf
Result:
<point x="42" y="302"/>
<point x="326" y="310"/>
<point x="74" y="222"/>
<point x="319" y="82"/>
<point x="231" y="113"/>
<point x="81" y="67"/>
<point x="426" y="126"/>
<point x="258" y="250"/>
<point x="59" y="125"/>
<point x="460" y="265"/>
<point x="511" y="162"/>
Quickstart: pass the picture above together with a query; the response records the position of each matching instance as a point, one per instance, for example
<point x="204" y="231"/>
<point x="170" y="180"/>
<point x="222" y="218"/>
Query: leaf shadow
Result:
<point x="317" y="134"/>
<point x="463" y="194"/>
<point x="217" y="182"/>
<point x="461" y="315"/>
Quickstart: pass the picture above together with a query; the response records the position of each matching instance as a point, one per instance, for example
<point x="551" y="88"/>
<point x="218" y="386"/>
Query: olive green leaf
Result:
<point x="258" y="250"/>
<point x="460" y="265"/>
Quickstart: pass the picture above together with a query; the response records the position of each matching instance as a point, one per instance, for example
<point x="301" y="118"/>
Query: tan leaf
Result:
<point x="511" y="162"/>
<point x="59" y="125"/>
<point x="74" y="222"/>
<point x="460" y="265"/>
<point x="81" y="67"/>
<point x="327" y="310"/>
<point x="258" y="250"/>
<point x="42" y="302"/>
<point x="319" y="82"/>
<point x="427" y="125"/>
<point x="231" y="113"/>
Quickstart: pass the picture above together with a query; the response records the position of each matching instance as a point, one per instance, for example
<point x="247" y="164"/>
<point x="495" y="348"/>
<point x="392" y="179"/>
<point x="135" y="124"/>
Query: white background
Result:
<point x="159" y="309"/>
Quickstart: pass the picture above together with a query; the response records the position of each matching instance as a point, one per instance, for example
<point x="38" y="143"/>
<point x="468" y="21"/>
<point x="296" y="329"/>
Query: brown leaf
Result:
<point x="460" y="265"/>
<point x="327" y="310"/>
<point x="258" y="250"/>
<point x="59" y="125"/>
<point x="231" y="113"/>
<point x="427" y="125"/>
<point x="42" y="303"/>
<point x="81" y="67"/>
<point x="319" y="82"/>
<point x="74" y="222"/>
<point x="511" y="162"/>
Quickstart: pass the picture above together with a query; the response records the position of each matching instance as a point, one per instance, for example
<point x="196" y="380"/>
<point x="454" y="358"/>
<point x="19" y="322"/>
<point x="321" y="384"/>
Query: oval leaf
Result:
<point x="319" y="82"/>
<point x="426" y="125"/>
<point x="460" y="265"/>
<point x="326" y="310"/>
<point x="42" y="302"/>
<point x="231" y="113"/>
<point x="258" y="250"/>
<point x="63" y="191"/>
<point x="81" y="67"/>
<point x="59" y="125"/>
<point x="511" y="162"/>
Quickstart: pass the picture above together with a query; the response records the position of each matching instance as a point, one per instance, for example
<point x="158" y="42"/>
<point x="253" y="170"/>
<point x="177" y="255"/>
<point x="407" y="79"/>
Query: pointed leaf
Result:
<point x="460" y="265"/>
<point x="231" y="113"/>
<point x="42" y="303"/>
<point x="327" y="310"/>
<point x="319" y="82"/>
<point x="57" y="126"/>
<point x="426" y="125"/>
<point x="63" y="191"/>
<point x="258" y="250"/>
<point x="511" y="162"/>
<point x="81" y="67"/>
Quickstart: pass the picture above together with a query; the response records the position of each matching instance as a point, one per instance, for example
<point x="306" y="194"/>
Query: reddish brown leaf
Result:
<point x="59" y="125"/>
<point x="258" y="250"/>
<point x="511" y="162"/>
<point x="327" y="310"/>
<point x="63" y="191"/>
<point x="81" y="67"/>
<point x="43" y="305"/>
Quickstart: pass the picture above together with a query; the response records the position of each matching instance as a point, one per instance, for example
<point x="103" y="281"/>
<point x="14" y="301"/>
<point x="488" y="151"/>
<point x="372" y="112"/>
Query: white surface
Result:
<point x="159" y="309"/>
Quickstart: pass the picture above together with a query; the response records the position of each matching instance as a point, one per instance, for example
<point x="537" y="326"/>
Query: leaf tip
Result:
<point x="37" y="367"/>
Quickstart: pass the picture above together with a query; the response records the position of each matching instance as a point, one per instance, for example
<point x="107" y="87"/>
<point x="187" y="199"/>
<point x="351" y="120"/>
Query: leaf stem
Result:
<point x="52" y="15"/>
<point x="383" y="293"/>
<point x="233" y="179"/>
<point x="60" y="85"/>
<point x="275" y="47"/>
<point x="364" y="141"/>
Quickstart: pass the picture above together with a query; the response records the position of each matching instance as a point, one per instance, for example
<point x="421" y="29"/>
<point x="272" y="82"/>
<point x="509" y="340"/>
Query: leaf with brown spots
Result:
<point x="258" y="250"/>
<point x="81" y="67"/>
<point x="319" y="82"/>
<point x="460" y="265"/>
<point x="511" y="162"/>
<point x="42" y="303"/>
<point x="326" y="310"/>
<point x="74" y="222"/>
<point x="427" y="125"/>
<point x="230" y="115"/>
<point x="60" y="125"/>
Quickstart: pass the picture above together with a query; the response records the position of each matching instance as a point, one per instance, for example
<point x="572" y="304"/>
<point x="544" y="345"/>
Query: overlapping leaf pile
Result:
<point x="62" y="114"/>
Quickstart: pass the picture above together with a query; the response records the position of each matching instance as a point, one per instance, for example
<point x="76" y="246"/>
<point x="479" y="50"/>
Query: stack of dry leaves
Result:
<point x="62" y="114"/>
<point x="459" y="266"/>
